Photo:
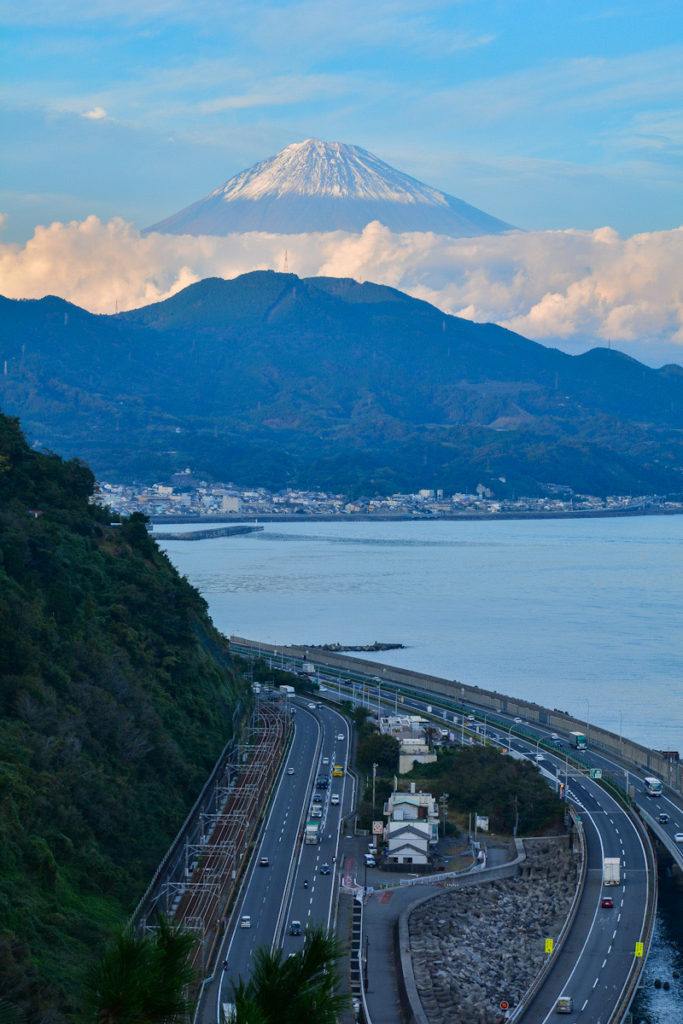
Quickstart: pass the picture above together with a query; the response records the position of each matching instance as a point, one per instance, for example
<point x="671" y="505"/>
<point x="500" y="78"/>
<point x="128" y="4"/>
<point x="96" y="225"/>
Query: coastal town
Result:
<point x="190" y="498"/>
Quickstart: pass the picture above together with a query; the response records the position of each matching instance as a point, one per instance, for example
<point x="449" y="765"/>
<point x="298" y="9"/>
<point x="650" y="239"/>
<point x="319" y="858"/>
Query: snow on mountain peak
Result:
<point x="315" y="186"/>
<point x="333" y="169"/>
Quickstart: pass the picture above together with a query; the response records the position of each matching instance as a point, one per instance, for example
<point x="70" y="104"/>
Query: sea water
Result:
<point x="579" y="614"/>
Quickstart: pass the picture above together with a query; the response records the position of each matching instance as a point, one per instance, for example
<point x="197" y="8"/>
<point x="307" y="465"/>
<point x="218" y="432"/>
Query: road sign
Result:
<point x="504" y="1005"/>
<point x="596" y="773"/>
<point x="639" y="948"/>
<point x="549" y="945"/>
<point x="377" y="828"/>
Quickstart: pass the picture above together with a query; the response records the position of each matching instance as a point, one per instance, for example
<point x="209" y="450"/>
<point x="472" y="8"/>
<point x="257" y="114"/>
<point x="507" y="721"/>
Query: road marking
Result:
<point x="614" y="934"/>
<point x="584" y="1006"/>
<point x="610" y="947"/>
<point x="603" y="963"/>
<point x="595" y="983"/>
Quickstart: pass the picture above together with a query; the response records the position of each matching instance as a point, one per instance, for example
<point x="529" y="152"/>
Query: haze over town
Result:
<point x="565" y="122"/>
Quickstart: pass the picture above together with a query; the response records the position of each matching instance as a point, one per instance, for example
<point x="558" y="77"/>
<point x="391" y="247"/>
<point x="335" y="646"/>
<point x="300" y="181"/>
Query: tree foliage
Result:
<point x="300" y="989"/>
<point x="483" y="780"/>
<point x="142" y="979"/>
<point x="116" y="697"/>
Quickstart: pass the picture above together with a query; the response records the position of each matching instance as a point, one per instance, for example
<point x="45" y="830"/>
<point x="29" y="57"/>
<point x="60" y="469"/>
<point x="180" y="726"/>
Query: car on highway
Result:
<point x="565" y="1004"/>
<point x="663" y="818"/>
<point x="245" y="921"/>
<point x="539" y="757"/>
<point x="678" y="838"/>
<point x="334" y="799"/>
<point x="518" y="721"/>
<point x="295" y="928"/>
<point x="325" y="760"/>
<point x="316" y="811"/>
<point x="554" y="736"/>
<point x="607" y="902"/>
<point x="312" y="707"/>
<point x="290" y="771"/>
<point x="341" y="736"/>
<point x="317" y="798"/>
<point x="263" y="862"/>
<point x="324" y="869"/>
<point x="338" y="771"/>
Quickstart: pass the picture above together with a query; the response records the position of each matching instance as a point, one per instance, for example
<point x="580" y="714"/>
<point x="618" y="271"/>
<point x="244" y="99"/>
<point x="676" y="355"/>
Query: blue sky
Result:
<point x="547" y="114"/>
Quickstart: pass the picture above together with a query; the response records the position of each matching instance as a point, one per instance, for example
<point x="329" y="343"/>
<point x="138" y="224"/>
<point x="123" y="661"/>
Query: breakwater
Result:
<point x="222" y="531"/>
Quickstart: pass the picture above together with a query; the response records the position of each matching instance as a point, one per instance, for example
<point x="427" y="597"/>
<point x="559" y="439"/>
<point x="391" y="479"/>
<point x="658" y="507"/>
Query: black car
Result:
<point x="663" y="818"/>
<point x="324" y="869"/>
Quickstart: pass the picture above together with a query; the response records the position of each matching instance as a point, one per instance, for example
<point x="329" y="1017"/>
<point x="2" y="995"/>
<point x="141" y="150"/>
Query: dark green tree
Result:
<point x="381" y="750"/>
<point x="142" y="980"/>
<point x="300" y="989"/>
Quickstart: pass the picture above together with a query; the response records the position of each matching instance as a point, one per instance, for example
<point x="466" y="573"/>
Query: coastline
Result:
<point x="369" y="517"/>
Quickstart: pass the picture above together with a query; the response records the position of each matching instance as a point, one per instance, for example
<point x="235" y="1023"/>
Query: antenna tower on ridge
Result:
<point x="286" y="264"/>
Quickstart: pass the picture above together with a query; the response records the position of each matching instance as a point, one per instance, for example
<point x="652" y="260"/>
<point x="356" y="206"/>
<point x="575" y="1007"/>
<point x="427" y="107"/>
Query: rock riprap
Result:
<point x="475" y="946"/>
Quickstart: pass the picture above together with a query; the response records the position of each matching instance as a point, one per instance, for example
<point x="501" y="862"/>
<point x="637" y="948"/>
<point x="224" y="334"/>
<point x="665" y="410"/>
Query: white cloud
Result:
<point x="571" y="288"/>
<point x="96" y="114"/>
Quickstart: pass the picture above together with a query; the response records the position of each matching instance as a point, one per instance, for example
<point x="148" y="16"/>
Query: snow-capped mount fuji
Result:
<point x="327" y="186"/>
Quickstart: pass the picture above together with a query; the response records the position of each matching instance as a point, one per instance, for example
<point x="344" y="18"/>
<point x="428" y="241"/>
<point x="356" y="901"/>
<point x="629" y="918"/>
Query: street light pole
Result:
<point x="374" y="778"/>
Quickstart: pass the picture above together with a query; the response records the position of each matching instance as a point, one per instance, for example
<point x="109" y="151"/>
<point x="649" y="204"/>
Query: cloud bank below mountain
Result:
<point x="573" y="289"/>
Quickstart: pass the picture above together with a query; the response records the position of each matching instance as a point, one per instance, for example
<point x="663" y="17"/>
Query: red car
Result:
<point x="607" y="902"/>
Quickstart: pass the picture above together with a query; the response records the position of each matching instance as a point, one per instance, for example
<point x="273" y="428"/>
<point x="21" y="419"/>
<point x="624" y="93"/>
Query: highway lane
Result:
<point x="274" y="895"/>
<point x="596" y="959"/>
<point x="315" y="904"/>
<point x="263" y="896"/>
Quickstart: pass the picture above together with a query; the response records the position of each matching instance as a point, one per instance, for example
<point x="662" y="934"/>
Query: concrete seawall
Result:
<point x="628" y="751"/>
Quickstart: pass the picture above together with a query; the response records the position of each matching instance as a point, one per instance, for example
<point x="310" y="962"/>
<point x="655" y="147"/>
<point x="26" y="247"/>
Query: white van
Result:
<point x="245" y="921"/>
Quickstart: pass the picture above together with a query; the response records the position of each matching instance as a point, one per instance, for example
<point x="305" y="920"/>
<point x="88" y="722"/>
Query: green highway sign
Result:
<point x="596" y="773"/>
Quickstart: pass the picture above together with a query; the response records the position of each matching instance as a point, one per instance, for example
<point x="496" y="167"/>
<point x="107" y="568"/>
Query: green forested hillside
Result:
<point x="324" y="383"/>
<point x="116" y="696"/>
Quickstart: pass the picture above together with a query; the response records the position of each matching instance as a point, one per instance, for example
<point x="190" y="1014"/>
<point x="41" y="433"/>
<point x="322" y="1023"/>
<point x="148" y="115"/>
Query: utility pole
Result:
<point x="374" y="778"/>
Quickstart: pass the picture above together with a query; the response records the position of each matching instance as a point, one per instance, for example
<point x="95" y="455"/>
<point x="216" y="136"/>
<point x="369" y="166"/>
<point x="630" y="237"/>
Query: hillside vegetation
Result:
<point x="324" y="383"/>
<point x="116" y="697"/>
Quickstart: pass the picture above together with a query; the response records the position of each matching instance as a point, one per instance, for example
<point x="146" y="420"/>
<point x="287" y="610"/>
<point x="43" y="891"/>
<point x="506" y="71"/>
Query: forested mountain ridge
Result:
<point x="116" y="696"/>
<point x="325" y="383"/>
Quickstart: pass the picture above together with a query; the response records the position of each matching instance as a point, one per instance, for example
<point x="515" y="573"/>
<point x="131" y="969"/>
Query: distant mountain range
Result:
<point x="327" y="186"/>
<point x="272" y="380"/>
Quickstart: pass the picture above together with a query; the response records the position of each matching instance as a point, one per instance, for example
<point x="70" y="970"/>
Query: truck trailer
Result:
<point x="578" y="740"/>
<point x="611" y="871"/>
<point x="312" y="833"/>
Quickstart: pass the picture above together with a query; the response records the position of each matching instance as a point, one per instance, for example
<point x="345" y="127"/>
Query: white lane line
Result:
<point x="584" y="1006"/>
<point x="614" y="934"/>
<point x="603" y="964"/>
<point x="595" y="983"/>
<point x="609" y="950"/>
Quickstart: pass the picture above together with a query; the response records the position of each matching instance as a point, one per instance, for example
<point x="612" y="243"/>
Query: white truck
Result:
<point x="611" y="871"/>
<point x="312" y="832"/>
<point x="284" y="688"/>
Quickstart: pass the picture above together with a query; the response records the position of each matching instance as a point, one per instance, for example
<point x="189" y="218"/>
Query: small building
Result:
<point x="412" y="828"/>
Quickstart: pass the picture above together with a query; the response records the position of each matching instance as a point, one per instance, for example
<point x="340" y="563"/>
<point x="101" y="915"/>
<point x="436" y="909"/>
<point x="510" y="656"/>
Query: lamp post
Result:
<point x="374" y="778"/>
<point x="588" y="728"/>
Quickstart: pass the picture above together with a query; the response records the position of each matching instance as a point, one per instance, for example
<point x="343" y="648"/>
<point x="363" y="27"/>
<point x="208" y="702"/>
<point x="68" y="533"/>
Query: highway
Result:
<point x="274" y="895"/>
<point x="597" y="959"/>
<point x="594" y="964"/>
